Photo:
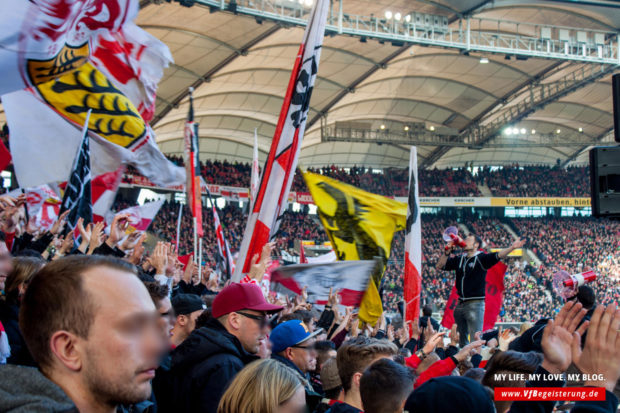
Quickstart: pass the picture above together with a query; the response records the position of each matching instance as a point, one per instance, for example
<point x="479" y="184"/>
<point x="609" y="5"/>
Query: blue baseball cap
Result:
<point x="289" y="334"/>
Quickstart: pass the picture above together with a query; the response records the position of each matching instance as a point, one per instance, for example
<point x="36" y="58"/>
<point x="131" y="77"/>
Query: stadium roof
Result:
<point x="442" y="97"/>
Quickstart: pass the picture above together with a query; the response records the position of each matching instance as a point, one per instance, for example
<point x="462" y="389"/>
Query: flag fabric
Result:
<point x="448" y="315"/>
<point x="104" y="189"/>
<point x="140" y="216"/>
<point x="279" y="170"/>
<point x="78" y="195"/>
<point x="43" y="205"/>
<point x="413" y="244"/>
<point x="349" y="278"/>
<point x="45" y="122"/>
<point x="224" y="260"/>
<point x="5" y="156"/>
<point x="360" y="226"/>
<point x="254" y="180"/>
<point x="325" y="258"/>
<point x="302" y="255"/>
<point x="493" y="298"/>
<point x="44" y="39"/>
<point x="494" y="294"/>
<point x="192" y="167"/>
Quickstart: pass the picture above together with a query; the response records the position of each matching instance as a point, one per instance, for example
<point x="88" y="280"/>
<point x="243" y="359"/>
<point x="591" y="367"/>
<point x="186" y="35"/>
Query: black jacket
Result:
<point x="19" y="352"/>
<point x="471" y="273"/>
<point x="203" y="366"/>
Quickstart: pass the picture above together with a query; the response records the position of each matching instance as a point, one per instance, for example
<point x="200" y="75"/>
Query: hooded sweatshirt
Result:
<point x="203" y="366"/>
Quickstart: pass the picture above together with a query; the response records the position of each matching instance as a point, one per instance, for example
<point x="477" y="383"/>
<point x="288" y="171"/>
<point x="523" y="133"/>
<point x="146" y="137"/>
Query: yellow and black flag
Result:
<point x="360" y="226"/>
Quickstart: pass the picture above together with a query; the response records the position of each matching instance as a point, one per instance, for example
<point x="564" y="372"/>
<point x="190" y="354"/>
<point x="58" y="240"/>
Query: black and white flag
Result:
<point x="78" y="195"/>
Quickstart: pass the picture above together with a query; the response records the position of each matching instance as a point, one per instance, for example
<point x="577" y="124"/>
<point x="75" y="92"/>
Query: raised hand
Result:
<point x="505" y="337"/>
<point x="96" y="237"/>
<point x="454" y="336"/>
<point x="558" y="337"/>
<point x="601" y="353"/>
<point x="469" y="350"/>
<point x="117" y="229"/>
<point x="159" y="258"/>
<point x="59" y="225"/>
<point x="138" y="250"/>
<point x="130" y="242"/>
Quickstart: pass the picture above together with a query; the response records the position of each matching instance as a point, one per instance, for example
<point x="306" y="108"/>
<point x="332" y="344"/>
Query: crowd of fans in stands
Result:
<point x="505" y="181"/>
<point x="107" y="326"/>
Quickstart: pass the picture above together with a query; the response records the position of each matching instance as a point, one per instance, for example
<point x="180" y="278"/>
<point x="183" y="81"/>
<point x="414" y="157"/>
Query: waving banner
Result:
<point x="349" y="278"/>
<point x="277" y="176"/>
<point x="413" y="244"/>
<point x="360" y="226"/>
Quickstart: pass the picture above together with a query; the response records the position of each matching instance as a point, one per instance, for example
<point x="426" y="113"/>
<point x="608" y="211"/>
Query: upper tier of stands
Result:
<point x="514" y="181"/>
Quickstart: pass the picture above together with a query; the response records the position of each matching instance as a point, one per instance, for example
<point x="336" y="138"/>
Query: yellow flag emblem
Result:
<point x="113" y="117"/>
<point x="360" y="226"/>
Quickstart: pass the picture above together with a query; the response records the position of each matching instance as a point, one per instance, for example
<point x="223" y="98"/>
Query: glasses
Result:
<point x="310" y="347"/>
<point x="262" y="319"/>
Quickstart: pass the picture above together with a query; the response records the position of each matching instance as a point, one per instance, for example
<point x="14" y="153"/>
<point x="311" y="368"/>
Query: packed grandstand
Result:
<point x="572" y="242"/>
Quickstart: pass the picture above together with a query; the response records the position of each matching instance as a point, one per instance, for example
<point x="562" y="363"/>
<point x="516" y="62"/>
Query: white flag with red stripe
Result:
<point x="413" y="244"/>
<point x="277" y="177"/>
<point x="349" y="278"/>
<point x="225" y="260"/>
<point x="140" y="216"/>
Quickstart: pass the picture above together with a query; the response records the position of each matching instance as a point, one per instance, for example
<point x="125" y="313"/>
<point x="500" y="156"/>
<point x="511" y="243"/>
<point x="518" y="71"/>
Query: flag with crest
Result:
<point x="279" y="170"/>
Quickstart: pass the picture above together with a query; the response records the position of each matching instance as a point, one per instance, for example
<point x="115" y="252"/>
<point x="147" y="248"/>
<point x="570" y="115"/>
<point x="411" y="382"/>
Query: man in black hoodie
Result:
<point x="207" y="361"/>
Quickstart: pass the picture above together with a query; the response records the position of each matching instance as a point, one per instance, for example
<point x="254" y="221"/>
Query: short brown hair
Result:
<point x="357" y="354"/>
<point x="157" y="291"/>
<point x="56" y="300"/>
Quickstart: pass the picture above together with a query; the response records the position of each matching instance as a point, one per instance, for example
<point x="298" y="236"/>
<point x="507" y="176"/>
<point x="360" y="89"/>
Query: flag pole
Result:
<point x="179" y="219"/>
<point x="195" y="239"/>
<point x="200" y="259"/>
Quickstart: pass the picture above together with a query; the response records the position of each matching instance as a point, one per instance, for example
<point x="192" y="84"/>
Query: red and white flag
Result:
<point x="413" y="244"/>
<point x="140" y="216"/>
<point x="254" y="180"/>
<point x="279" y="170"/>
<point x="45" y="39"/>
<point x="225" y="260"/>
<point x="104" y="188"/>
<point x="349" y="278"/>
<point x="192" y="167"/>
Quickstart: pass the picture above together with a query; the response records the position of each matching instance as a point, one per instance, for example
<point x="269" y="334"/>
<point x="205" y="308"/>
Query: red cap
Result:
<point x="239" y="296"/>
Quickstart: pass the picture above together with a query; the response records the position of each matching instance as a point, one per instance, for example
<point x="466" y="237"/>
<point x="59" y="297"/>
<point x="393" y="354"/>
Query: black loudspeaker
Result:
<point x="615" y="83"/>
<point x="605" y="180"/>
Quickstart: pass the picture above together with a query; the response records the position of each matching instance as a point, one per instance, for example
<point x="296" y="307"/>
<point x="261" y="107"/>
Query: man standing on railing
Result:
<point x="471" y="271"/>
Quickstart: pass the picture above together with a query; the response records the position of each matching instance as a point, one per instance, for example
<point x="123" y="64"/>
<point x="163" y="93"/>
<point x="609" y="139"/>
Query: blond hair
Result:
<point x="260" y="387"/>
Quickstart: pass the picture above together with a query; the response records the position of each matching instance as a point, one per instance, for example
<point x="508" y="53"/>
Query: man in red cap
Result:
<point x="207" y="361"/>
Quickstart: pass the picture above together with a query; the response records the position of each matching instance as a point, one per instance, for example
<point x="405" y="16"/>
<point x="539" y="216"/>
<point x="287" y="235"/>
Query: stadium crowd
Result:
<point x="506" y="181"/>
<point x="106" y="326"/>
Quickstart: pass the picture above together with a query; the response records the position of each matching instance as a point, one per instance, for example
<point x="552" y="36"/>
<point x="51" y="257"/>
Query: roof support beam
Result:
<point x="578" y="152"/>
<point x="215" y="70"/>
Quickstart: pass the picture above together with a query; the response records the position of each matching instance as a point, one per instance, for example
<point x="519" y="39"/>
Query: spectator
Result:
<point x="332" y="386"/>
<point x="385" y="386"/>
<point x="294" y="346"/>
<point x="17" y="282"/>
<point x="187" y="308"/>
<point x="264" y="386"/>
<point x="207" y="361"/>
<point x="354" y="356"/>
<point x="93" y="330"/>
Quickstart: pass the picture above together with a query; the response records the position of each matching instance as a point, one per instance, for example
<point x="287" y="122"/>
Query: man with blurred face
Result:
<point x="293" y="345"/>
<point x="207" y="361"/>
<point x="92" y="327"/>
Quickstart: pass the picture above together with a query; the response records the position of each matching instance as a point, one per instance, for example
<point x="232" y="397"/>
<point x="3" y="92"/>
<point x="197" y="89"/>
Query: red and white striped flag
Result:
<point x="277" y="177"/>
<point x="192" y="167"/>
<point x="225" y="259"/>
<point x="413" y="244"/>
